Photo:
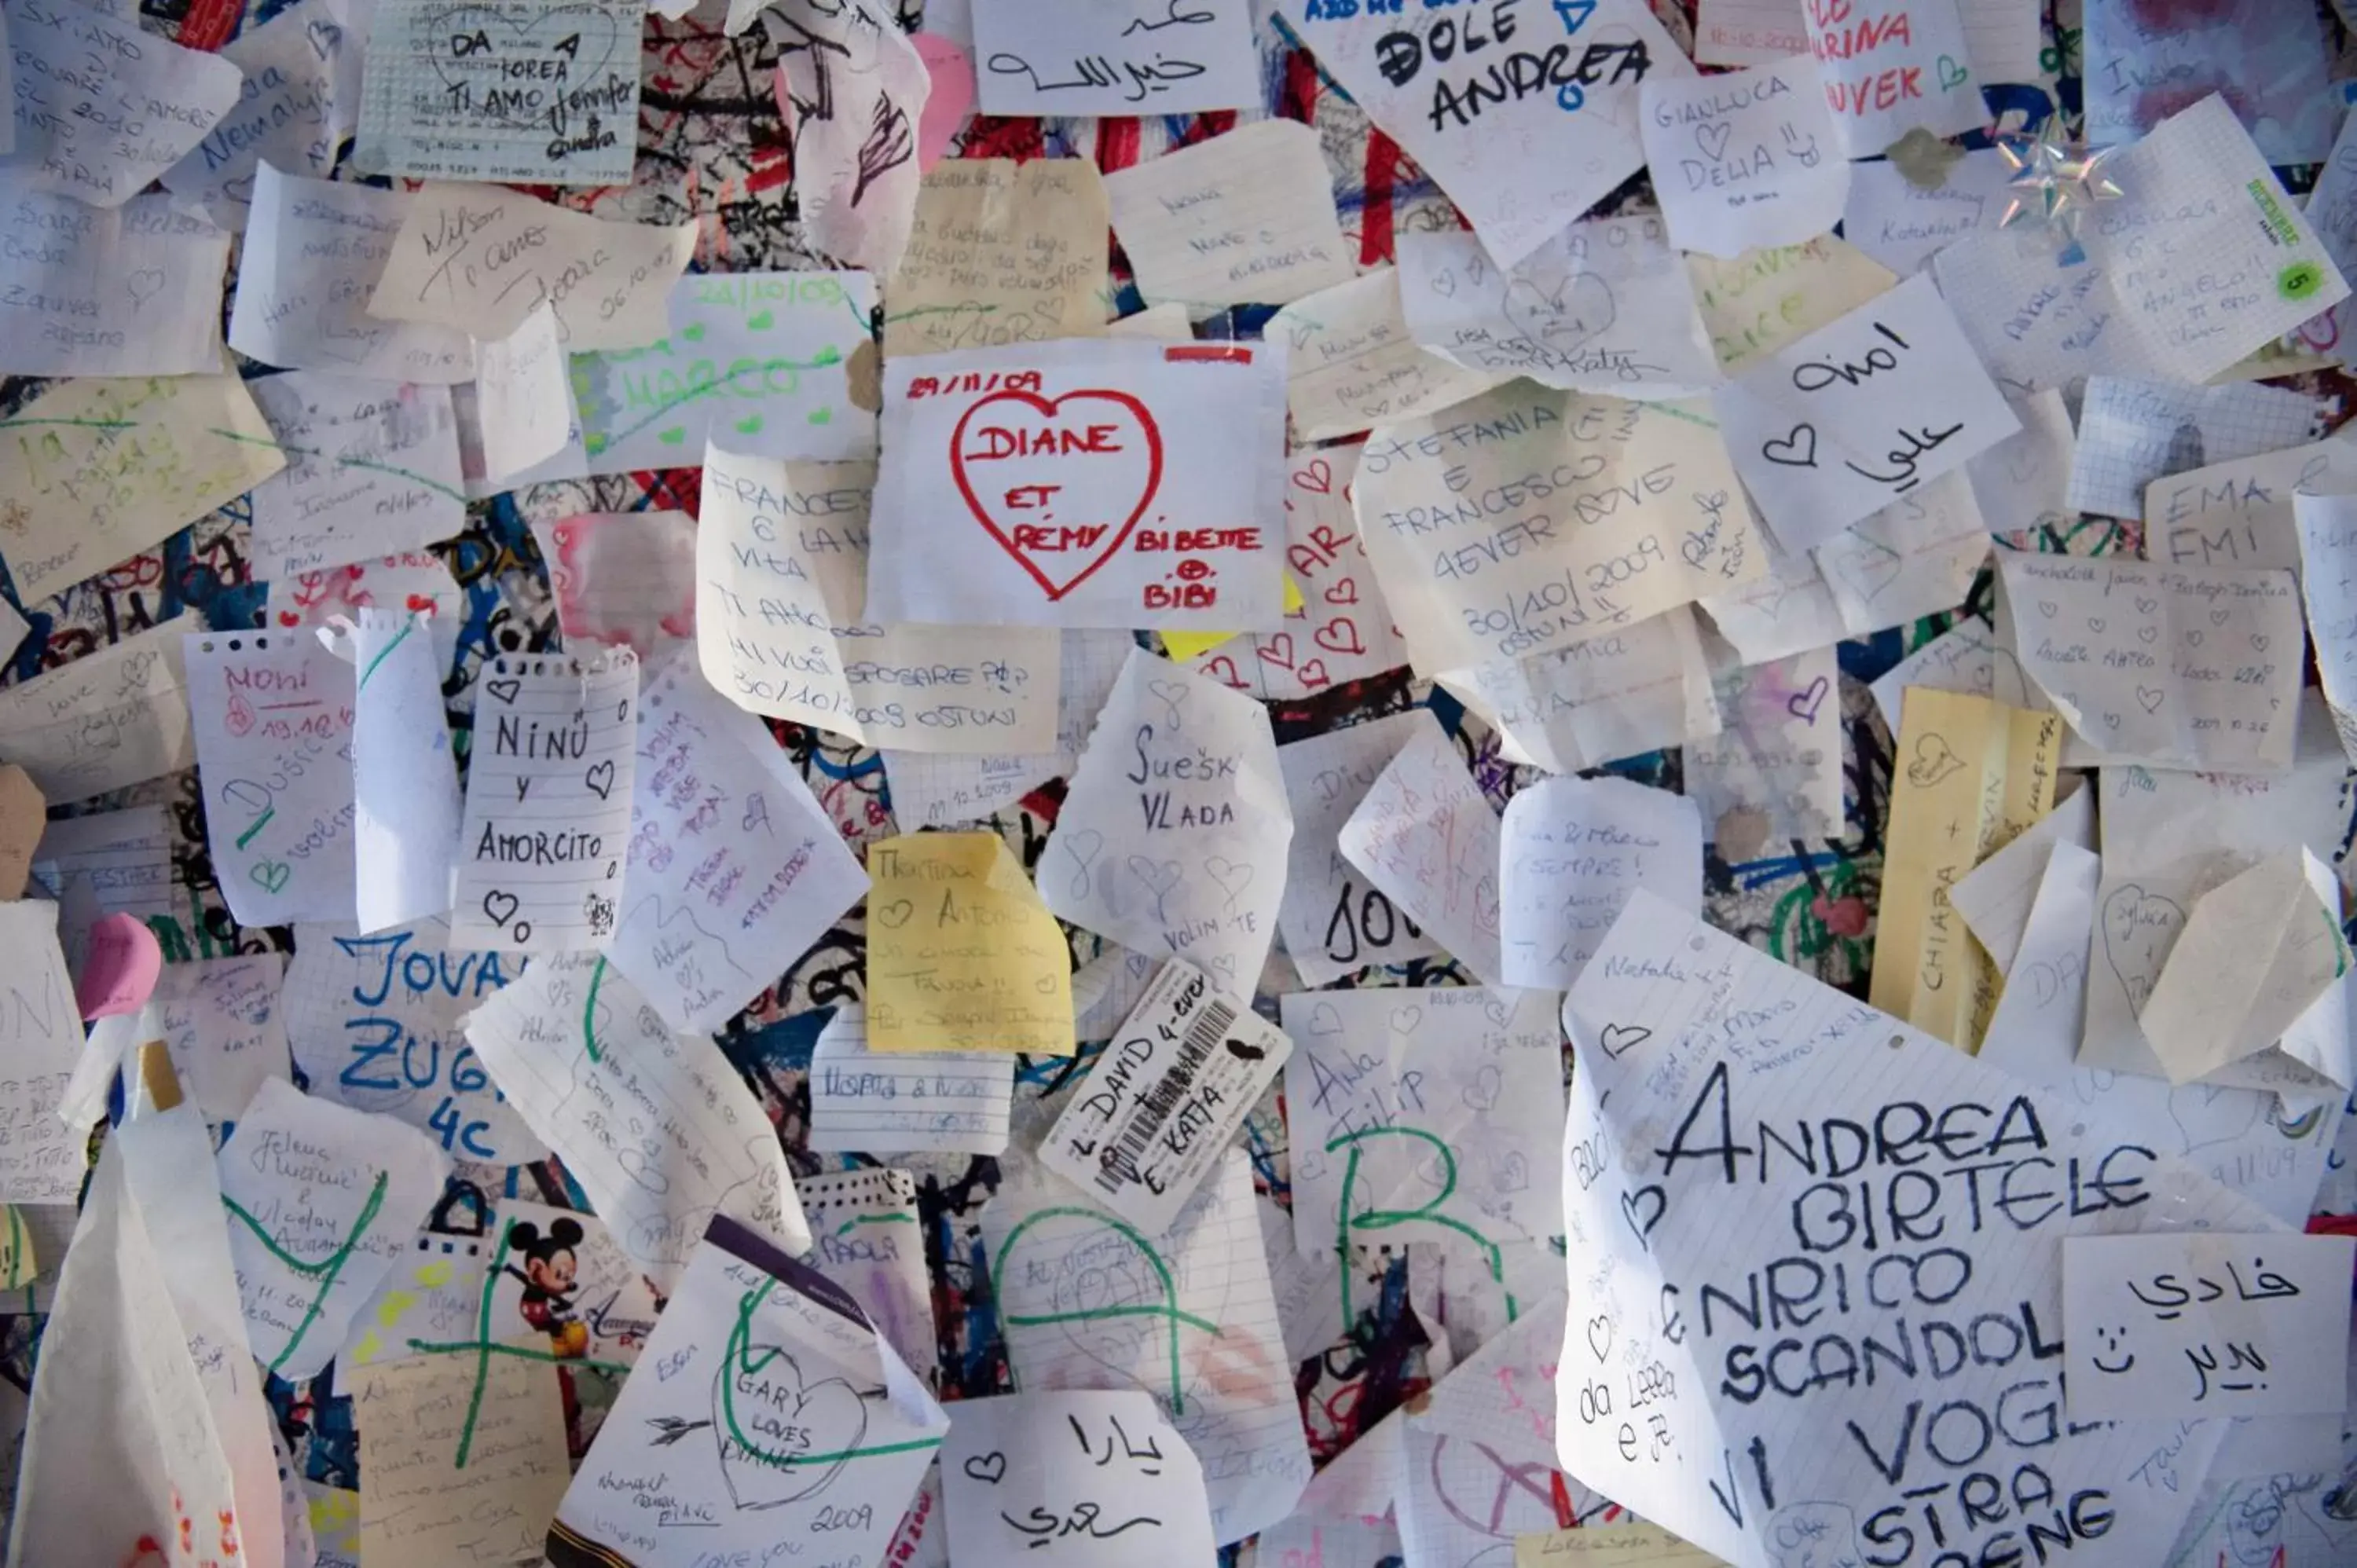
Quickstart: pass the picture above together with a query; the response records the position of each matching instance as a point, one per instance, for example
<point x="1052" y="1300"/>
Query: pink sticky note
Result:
<point x="122" y="968"/>
<point x="951" y="99"/>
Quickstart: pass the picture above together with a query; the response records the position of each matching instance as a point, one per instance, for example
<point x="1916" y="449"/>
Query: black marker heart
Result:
<point x="599" y="779"/>
<point x="501" y="908"/>
<point x="987" y="1468"/>
<point x="1797" y="450"/>
<point x="1619" y="1039"/>
<point x="1246" y="1053"/>
<point x="1599" y="1336"/>
<point x="505" y="690"/>
<point x="1629" y="1207"/>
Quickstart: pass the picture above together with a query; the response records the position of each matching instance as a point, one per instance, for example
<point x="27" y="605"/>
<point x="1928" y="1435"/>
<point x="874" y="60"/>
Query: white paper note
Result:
<point x="110" y="292"/>
<point x="1426" y="836"/>
<point x="2327" y="520"/>
<point x="372" y="469"/>
<point x="2256" y="952"/>
<point x="1571" y="852"/>
<point x="2133" y="433"/>
<point x="1610" y="697"/>
<point x="1334" y="920"/>
<point x="1890" y="66"/>
<point x="1351" y="361"/>
<point x="1082" y="484"/>
<point x="300" y="101"/>
<point x="1243" y="218"/>
<point x="1745" y="160"/>
<point x="1901" y="224"/>
<point x="2243" y="513"/>
<point x="902" y="1102"/>
<point x="1604" y="306"/>
<point x="524" y="399"/>
<point x="43" y="1160"/>
<point x="1774" y="771"/>
<point x="2206" y="1326"/>
<point x="113" y="718"/>
<point x="103" y="106"/>
<point x="225" y="1027"/>
<point x="1113" y="57"/>
<point x="548" y="803"/>
<point x="852" y="89"/>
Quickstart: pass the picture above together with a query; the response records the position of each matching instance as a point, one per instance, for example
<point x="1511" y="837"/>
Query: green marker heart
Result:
<point x="694" y="334"/>
<point x="1951" y="73"/>
<point x="749" y="426"/>
<point x="760" y="323"/>
<point x="822" y="416"/>
<point x="674" y="436"/>
<point x="596" y="442"/>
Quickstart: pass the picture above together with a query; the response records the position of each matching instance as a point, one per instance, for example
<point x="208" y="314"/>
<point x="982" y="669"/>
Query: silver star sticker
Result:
<point x="2053" y="183"/>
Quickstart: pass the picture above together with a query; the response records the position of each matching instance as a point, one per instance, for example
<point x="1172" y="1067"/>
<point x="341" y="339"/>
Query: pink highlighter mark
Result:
<point x="951" y="100"/>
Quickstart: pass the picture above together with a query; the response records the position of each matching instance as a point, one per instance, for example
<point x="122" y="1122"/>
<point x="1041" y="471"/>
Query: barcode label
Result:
<point x="1165" y="1098"/>
<point x="1203" y="1036"/>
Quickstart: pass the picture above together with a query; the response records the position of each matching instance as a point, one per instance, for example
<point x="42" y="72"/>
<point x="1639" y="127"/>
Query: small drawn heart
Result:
<point x="501" y="908"/>
<point x="1224" y="671"/>
<point x="2095" y="624"/>
<point x="1630" y="1206"/>
<point x="1803" y="706"/>
<point x="326" y="39"/>
<point x="1714" y="147"/>
<point x="2150" y="699"/>
<point x="750" y="425"/>
<point x="694" y="332"/>
<point x="506" y="691"/>
<point x="1483" y="1092"/>
<point x="1952" y="74"/>
<point x="895" y="915"/>
<point x="599" y="779"/>
<point x="1159" y="876"/>
<point x="1934" y="760"/>
<point x="1317" y="477"/>
<point x="1443" y="283"/>
<point x="1312" y="674"/>
<point x="1599" y="1336"/>
<point x="2220" y="618"/>
<point x="1340" y="635"/>
<point x="988" y="1468"/>
<point x="676" y="436"/>
<point x="2047" y="607"/>
<point x="1277" y="650"/>
<point x="1797" y="450"/>
<point x="760" y="321"/>
<point x="1343" y="591"/>
<point x="2146" y="607"/>
<point x="2193" y="640"/>
<point x="1232" y="875"/>
<point x="2111" y="721"/>
<point x="1245" y="1051"/>
<point x="2147" y="633"/>
<point x="146" y="284"/>
<point x="272" y="875"/>
<point x="2260" y="642"/>
<point x="1620" y="1039"/>
<point x="1407" y="1020"/>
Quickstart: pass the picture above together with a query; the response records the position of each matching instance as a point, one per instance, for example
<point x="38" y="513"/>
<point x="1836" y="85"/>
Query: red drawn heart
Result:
<point x="1224" y="671"/>
<point x="1318" y="478"/>
<point x="421" y="603"/>
<point x="1313" y="674"/>
<point x="1277" y="650"/>
<point x="1053" y="456"/>
<point x="1330" y="636"/>
<point x="288" y="617"/>
<point x="1344" y="592"/>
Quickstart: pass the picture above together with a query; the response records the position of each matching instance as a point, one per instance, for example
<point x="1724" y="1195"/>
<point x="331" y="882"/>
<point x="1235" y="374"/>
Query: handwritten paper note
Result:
<point x="103" y="106"/>
<point x="321" y="1200"/>
<point x="97" y="470"/>
<point x="2243" y="513"/>
<point x="1353" y="361"/>
<point x="2256" y="953"/>
<point x="298" y="102"/>
<point x="1164" y="1099"/>
<point x="1685" y="1032"/>
<point x="456" y="1475"/>
<point x="1379" y="1080"/>
<point x="1610" y="697"/>
<point x="311" y="247"/>
<point x="1427" y="837"/>
<point x="40" y="1030"/>
<point x="2186" y="1326"/>
<point x="961" y="953"/>
<point x="1745" y="160"/>
<point x="134" y="290"/>
<point x="1773" y="771"/>
<point x="907" y="1101"/>
<point x="870" y="1243"/>
<point x="585" y="1061"/>
<point x="274" y="728"/>
<point x="2327" y="520"/>
<point x="2268" y="65"/>
<point x="479" y="259"/>
<point x="372" y="469"/>
<point x="2133" y="433"/>
<point x="1604" y="306"/>
<point x="1096" y="485"/>
<point x="1576" y="513"/>
<point x="1844" y="421"/>
<point x="548" y="803"/>
<point x="2167" y="667"/>
<point x="734" y="868"/>
<point x="1522" y="118"/>
<point x="110" y="719"/>
<point x="1047" y="1477"/>
<point x="374" y="1022"/>
<point x="1968" y="775"/>
<point x="799" y="1418"/>
<point x="1890" y="66"/>
<point x="225" y="1028"/>
<point x="1243" y="218"/>
<point x="1113" y="57"/>
<point x="1333" y="918"/>
<point x="852" y="90"/>
<point x="1175" y="824"/>
<point x="1901" y="224"/>
<point x="1185" y="1315"/>
<point x="1001" y="253"/>
<point x="522" y="90"/>
<point x="772" y="364"/>
<point x="1571" y="850"/>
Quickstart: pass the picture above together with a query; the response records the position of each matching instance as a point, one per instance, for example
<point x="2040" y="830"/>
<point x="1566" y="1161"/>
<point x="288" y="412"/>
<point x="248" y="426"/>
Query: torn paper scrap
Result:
<point x="2255" y="952"/>
<point x="1427" y="837"/>
<point x="1571" y="852"/>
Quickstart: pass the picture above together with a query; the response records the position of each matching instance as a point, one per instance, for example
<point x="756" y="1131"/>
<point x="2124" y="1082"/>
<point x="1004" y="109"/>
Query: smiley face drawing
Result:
<point x="2111" y="1346"/>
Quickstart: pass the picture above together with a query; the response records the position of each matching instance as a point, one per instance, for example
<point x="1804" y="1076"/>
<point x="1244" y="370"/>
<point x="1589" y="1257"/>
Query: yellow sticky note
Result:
<point x="962" y="956"/>
<point x="1182" y="646"/>
<point x="1610" y="1546"/>
<point x="19" y="1266"/>
<point x="1970" y="774"/>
